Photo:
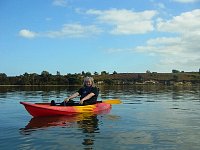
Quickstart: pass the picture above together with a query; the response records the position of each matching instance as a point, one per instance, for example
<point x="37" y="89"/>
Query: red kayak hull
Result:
<point x="37" y="110"/>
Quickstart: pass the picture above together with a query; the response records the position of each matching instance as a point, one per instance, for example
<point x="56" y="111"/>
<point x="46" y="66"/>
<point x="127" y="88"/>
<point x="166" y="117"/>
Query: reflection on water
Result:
<point x="151" y="117"/>
<point x="37" y="123"/>
<point x="86" y="122"/>
<point x="87" y="119"/>
<point x="89" y="125"/>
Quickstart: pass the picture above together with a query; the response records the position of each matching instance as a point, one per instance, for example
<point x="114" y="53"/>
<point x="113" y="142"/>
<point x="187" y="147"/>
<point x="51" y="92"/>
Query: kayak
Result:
<point x="45" y="109"/>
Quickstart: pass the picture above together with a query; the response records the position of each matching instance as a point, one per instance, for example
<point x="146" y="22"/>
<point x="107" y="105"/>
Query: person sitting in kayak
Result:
<point x="88" y="94"/>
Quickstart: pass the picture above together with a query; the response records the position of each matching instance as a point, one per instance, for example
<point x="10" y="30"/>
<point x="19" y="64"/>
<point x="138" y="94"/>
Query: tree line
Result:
<point x="45" y="78"/>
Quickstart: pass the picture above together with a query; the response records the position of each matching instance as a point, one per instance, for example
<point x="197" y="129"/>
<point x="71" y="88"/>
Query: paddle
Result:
<point x="108" y="101"/>
<point x="112" y="101"/>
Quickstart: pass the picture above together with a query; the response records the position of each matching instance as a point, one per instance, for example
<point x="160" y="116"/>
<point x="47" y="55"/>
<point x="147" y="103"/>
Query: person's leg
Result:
<point x="69" y="103"/>
<point x="53" y="103"/>
<point x="88" y="102"/>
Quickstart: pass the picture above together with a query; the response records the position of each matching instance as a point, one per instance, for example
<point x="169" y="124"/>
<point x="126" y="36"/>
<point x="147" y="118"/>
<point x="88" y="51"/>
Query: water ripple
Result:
<point x="149" y="118"/>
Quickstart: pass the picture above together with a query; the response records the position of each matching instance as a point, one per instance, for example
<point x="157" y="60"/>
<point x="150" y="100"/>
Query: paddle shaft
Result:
<point x="108" y="101"/>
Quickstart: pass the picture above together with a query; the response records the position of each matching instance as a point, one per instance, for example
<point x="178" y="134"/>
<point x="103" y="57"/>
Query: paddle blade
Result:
<point x="112" y="101"/>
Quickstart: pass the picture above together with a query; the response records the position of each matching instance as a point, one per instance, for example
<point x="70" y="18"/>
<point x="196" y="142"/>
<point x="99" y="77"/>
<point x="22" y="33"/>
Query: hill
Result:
<point x="149" y="78"/>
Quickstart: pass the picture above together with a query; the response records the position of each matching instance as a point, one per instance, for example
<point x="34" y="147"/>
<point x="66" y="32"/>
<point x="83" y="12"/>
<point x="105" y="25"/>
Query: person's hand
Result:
<point x="81" y="102"/>
<point x="66" y="100"/>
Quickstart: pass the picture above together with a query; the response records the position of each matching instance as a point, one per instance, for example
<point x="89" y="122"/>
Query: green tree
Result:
<point x="34" y="78"/>
<point x="104" y="73"/>
<point x="175" y="71"/>
<point x="45" y="76"/>
<point x="58" y="73"/>
<point x="148" y="71"/>
<point x="88" y="74"/>
<point x="74" y="79"/>
<point x="45" y="73"/>
<point x="3" y="79"/>
<point x="114" y="72"/>
<point x="83" y="73"/>
<point x="96" y="73"/>
<point x="26" y="79"/>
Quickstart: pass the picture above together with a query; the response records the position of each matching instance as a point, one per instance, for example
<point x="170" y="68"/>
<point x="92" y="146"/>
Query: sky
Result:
<point x="126" y="36"/>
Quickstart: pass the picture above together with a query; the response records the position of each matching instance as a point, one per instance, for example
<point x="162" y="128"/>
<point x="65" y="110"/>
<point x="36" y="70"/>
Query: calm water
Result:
<point x="149" y="118"/>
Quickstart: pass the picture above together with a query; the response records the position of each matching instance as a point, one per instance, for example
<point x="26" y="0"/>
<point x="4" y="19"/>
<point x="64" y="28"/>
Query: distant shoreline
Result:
<point x="73" y="85"/>
<point x="148" y="78"/>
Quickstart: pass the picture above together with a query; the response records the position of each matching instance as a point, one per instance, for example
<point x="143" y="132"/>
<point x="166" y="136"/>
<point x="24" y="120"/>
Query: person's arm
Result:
<point x="71" y="97"/>
<point x="86" y="98"/>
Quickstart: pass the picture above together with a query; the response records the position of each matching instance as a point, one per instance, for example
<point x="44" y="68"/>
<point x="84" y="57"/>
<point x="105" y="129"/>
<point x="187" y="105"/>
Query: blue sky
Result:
<point x="71" y="36"/>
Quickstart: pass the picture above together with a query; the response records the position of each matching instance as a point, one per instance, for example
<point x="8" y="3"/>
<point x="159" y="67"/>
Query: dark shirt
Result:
<point x="84" y="91"/>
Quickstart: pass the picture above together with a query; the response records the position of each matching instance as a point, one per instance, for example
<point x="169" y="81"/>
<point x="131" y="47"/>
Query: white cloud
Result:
<point x="182" y="50"/>
<point x="115" y="50"/>
<point x="162" y="46"/>
<point x="61" y="3"/>
<point x="186" y="1"/>
<point x="174" y="52"/>
<point x="126" y="21"/>
<point x="74" y="30"/>
<point x="68" y="30"/>
<point x="27" y="33"/>
<point x="185" y="23"/>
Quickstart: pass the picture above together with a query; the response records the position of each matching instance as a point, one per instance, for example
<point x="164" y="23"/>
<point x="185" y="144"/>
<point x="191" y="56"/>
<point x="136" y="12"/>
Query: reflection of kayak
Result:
<point x="49" y="121"/>
<point x="44" y="109"/>
<point x="63" y="121"/>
